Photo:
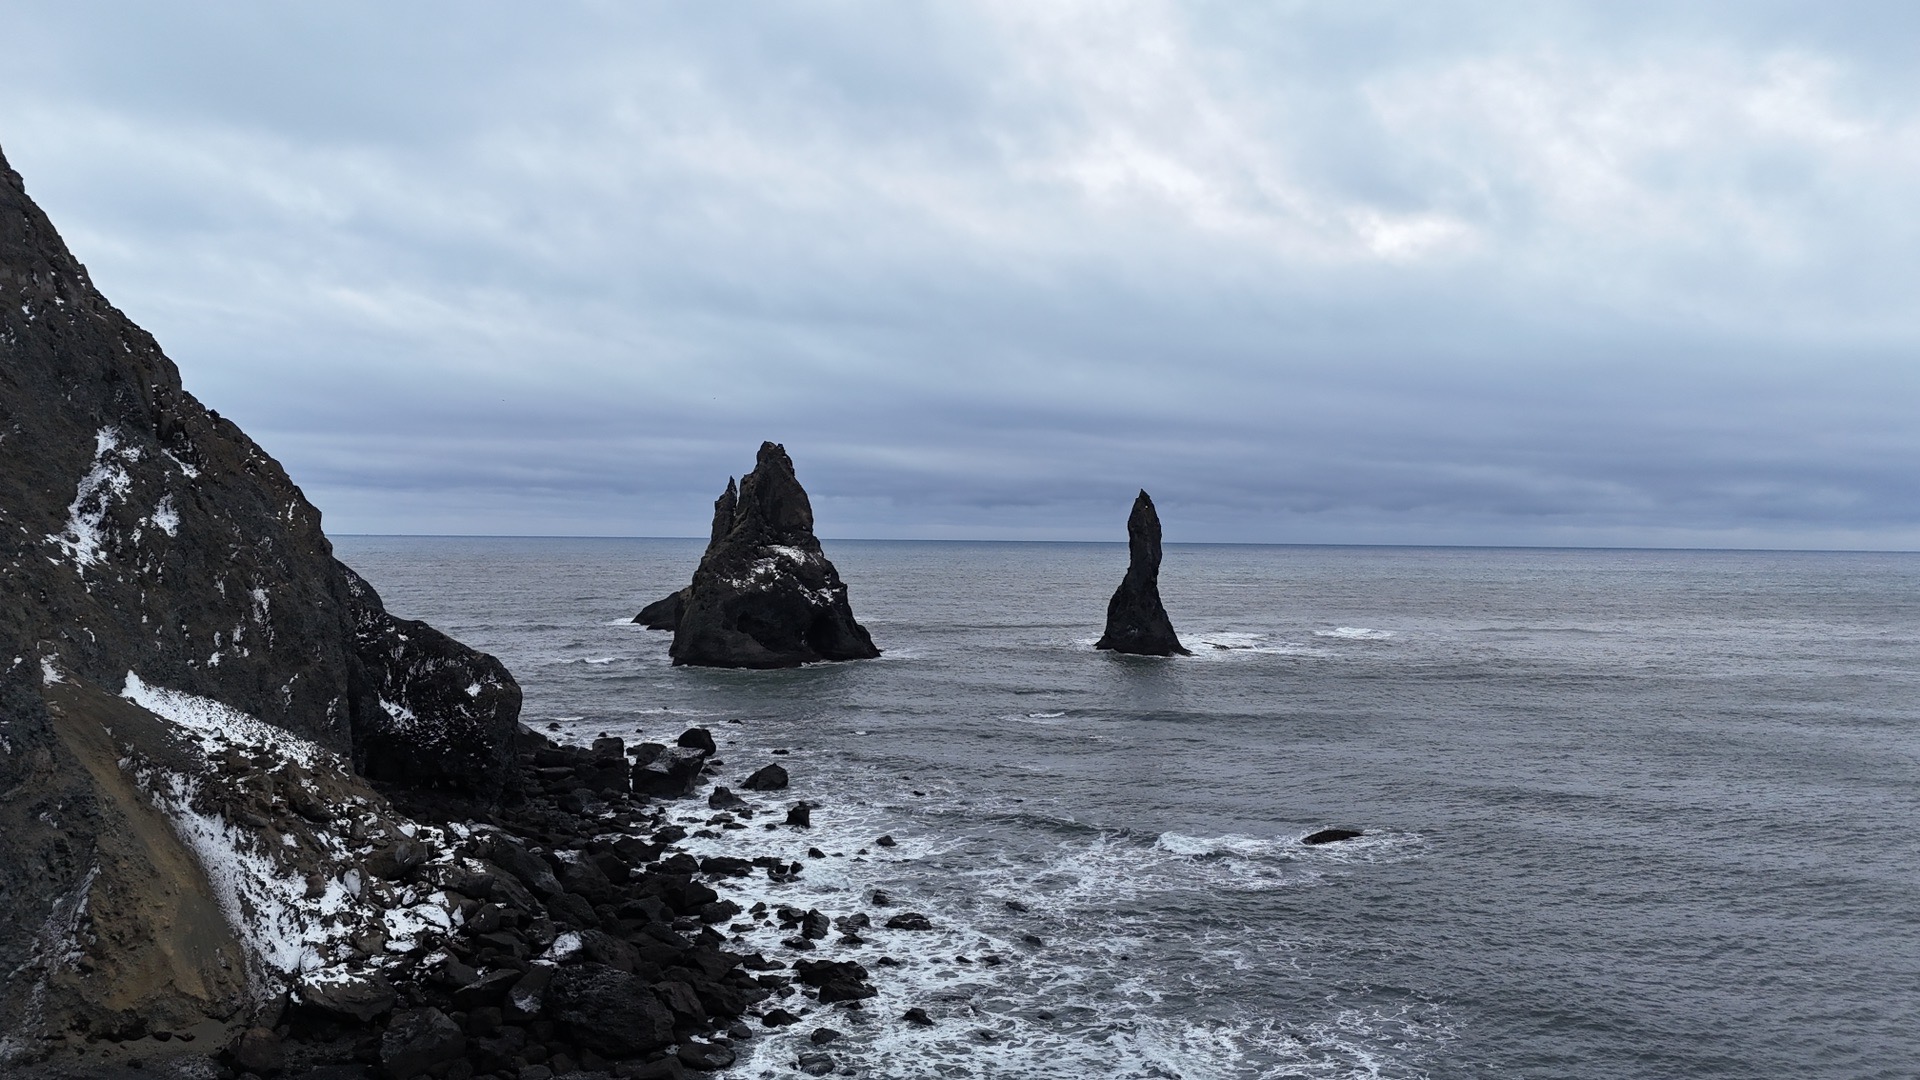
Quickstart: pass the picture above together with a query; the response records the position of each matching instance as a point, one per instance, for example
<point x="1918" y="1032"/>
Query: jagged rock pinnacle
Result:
<point x="765" y="594"/>
<point x="1136" y="620"/>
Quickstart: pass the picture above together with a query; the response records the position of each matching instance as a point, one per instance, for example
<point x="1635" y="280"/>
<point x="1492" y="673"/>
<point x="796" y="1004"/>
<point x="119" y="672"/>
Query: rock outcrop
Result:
<point x="1136" y="620"/>
<point x="183" y="665"/>
<point x="765" y="595"/>
<point x="664" y="613"/>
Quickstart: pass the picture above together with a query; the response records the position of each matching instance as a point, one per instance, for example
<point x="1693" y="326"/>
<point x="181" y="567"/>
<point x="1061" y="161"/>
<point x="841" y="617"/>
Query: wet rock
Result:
<point x="837" y="980"/>
<point x="815" y="1064"/>
<point x="671" y="775"/>
<point x="698" y="738"/>
<point x="881" y="899"/>
<point x="765" y="594"/>
<point x="419" y="1040"/>
<point x="362" y="997"/>
<point x="814" y="925"/>
<point x="723" y="798"/>
<point x="802" y="815"/>
<point x="885" y="841"/>
<point x="1136" y="620"/>
<point x="909" y="920"/>
<point x="706" y="1057"/>
<point x="768" y="778"/>
<point x="917" y="1016"/>
<point x="664" y="613"/>
<point x="1331" y="836"/>
<point x="778" y="1018"/>
<point x="823" y="1036"/>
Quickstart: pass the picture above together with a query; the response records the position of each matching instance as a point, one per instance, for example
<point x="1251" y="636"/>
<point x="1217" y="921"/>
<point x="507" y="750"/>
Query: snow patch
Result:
<point x="107" y="480"/>
<point x="165" y="517"/>
<point x="49" y="674"/>
<point x="218" y="727"/>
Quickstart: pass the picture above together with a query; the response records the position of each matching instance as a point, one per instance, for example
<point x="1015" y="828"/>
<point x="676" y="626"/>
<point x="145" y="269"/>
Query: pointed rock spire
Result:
<point x="1136" y="620"/>
<point x="765" y="594"/>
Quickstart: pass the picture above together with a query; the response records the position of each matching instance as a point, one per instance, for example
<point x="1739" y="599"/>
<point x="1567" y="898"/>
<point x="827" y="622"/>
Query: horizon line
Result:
<point x="1167" y="543"/>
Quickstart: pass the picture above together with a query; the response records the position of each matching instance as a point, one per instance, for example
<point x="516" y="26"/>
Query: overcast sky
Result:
<point x="1512" y="273"/>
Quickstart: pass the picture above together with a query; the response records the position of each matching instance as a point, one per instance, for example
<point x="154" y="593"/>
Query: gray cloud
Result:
<point x="1510" y="273"/>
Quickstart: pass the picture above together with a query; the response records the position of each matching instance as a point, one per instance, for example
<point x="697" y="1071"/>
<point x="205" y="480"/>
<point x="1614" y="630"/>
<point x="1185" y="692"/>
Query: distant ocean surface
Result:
<point x="1627" y="813"/>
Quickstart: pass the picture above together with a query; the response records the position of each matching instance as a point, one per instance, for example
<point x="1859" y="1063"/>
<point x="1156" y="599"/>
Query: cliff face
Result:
<point x="765" y="594"/>
<point x="148" y="546"/>
<point x="1136" y="620"/>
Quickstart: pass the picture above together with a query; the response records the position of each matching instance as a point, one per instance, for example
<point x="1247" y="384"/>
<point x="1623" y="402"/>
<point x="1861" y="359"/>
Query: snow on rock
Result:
<point x="219" y="727"/>
<point x="284" y="834"/>
<point x="85" y="535"/>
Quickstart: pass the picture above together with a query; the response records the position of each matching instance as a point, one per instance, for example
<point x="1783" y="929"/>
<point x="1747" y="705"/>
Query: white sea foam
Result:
<point x="1081" y="1004"/>
<point x="1355" y="633"/>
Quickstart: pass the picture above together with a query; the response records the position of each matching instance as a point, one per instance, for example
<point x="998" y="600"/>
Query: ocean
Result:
<point x="1625" y="813"/>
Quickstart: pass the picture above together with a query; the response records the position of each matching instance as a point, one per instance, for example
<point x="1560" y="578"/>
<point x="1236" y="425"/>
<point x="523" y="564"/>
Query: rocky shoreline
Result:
<point x="580" y="941"/>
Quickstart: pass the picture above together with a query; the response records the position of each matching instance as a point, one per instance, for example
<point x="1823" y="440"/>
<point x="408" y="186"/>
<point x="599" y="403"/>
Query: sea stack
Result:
<point x="765" y="595"/>
<point x="1136" y="621"/>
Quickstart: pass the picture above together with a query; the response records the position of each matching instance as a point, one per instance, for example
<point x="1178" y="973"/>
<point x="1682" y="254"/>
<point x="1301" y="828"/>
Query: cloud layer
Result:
<point x="1474" y="273"/>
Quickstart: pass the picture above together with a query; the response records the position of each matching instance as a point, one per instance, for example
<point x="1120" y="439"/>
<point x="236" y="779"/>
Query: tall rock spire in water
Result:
<point x="1136" y="621"/>
<point x="765" y="595"/>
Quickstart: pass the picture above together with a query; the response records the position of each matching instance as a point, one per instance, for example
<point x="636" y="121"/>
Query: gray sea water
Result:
<point x="1627" y="813"/>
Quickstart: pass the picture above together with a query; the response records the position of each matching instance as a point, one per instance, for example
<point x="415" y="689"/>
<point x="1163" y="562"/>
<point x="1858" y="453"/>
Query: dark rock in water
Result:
<point x="722" y="798"/>
<point x="665" y="613"/>
<point x="778" y="1018"/>
<point x="671" y="775"/>
<point x="918" y="1017"/>
<point x="801" y="815"/>
<point x="151" y="552"/>
<point x="1136" y="620"/>
<point x="1331" y="836"/>
<point x="698" y="738"/>
<point x="823" y="1036"/>
<point x="419" y="1040"/>
<point x="837" y="980"/>
<point x="909" y="920"/>
<point x="765" y="595"/>
<point x="707" y="1057"/>
<point x="769" y="778"/>
<point x="885" y="841"/>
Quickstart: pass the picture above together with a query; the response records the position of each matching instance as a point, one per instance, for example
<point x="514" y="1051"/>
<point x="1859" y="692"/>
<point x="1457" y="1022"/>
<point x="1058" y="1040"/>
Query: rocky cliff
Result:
<point x="1136" y="620"/>
<point x="183" y="663"/>
<point x="765" y="595"/>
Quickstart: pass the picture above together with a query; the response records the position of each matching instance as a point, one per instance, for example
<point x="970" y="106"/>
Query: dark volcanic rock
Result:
<point x="1136" y="621"/>
<point x="613" y="1012"/>
<point x="1331" y="836"/>
<point x="148" y="543"/>
<point x="665" y="613"/>
<point x="419" y="1040"/>
<point x="362" y="997"/>
<point x="671" y="775"/>
<point x="766" y="778"/>
<point x="765" y="595"/>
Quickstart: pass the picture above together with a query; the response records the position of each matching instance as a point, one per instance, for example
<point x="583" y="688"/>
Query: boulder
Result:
<point x="671" y="775"/>
<point x="837" y="980"/>
<point x="765" y="595"/>
<point x="1136" y="620"/>
<point x="769" y="778"/>
<point x="612" y="1012"/>
<point x="361" y="996"/>
<point x="418" y="1040"/>
<point x="698" y="738"/>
